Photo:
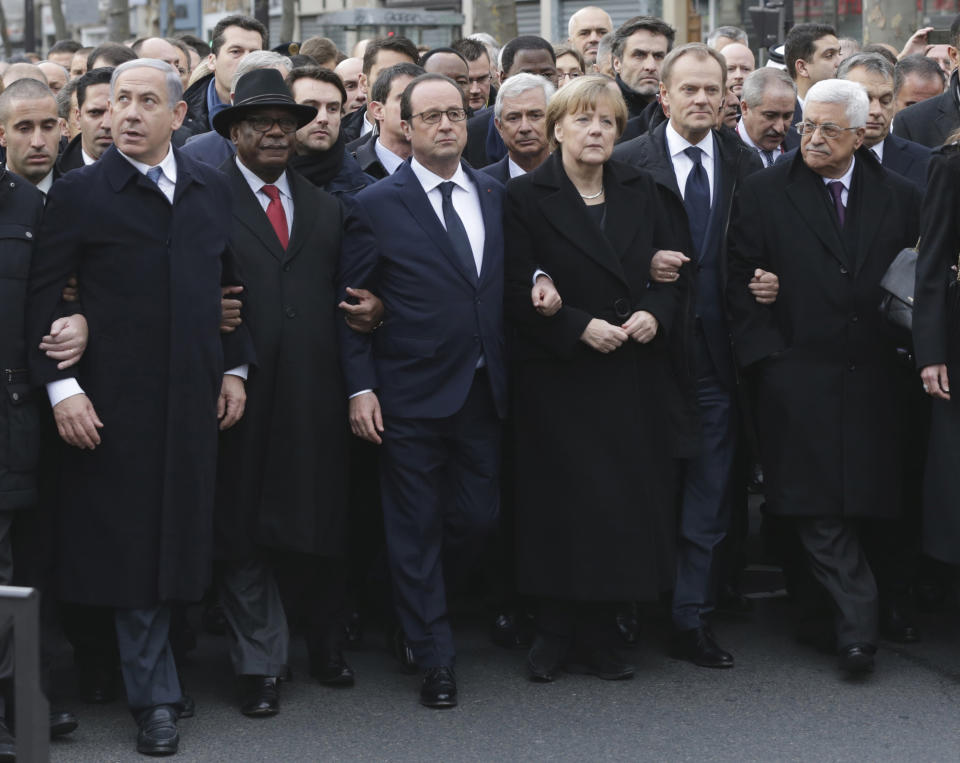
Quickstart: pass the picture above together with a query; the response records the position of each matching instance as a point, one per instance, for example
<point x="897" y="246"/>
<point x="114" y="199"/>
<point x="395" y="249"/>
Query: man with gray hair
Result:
<point x="876" y="75"/>
<point x="585" y="29"/>
<point x="828" y="222"/>
<point x="722" y="36"/>
<point x="604" y="63"/>
<point x="141" y="410"/>
<point x="769" y="98"/>
<point x="520" y="116"/>
<point x="211" y="147"/>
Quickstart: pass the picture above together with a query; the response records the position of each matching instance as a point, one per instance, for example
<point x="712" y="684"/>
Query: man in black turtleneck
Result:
<point x="639" y="47"/>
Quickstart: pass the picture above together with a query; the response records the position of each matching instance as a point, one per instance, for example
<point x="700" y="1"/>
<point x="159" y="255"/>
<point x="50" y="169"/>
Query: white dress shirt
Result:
<point x="60" y="390"/>
<point x="390" y="161"/>
<point x="515" y="169"/>
<point x="44" y="185"/>
<point x="683" y="164"/>
<point x="283" y="186"/>
<point x="846" y="180"/>
<point x="87" y="159"/>
<point x="748" y="141"/>
<point x="466" y="201"/>
<point x="365" y="124"/>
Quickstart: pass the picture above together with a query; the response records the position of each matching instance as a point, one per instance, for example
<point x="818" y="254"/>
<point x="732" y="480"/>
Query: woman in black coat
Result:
<point x="938" y="355"/>
<point x="591" y="457"/>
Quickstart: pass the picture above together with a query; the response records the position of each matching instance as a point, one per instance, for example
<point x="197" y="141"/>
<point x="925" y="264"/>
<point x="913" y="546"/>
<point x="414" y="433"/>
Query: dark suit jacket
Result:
<point x="352" y="124"/>
<point x="151" y="271"/>
<point x="499" y="171"/>
<point x="267" y="493"/>
<point x="932" y="121"/>
<point x="362" y="149"/>
<point x="484" y="144"/>
<point x="906" y="158"/>
<point x="735" y="162"/>
<point x="210" y="148"/>
<point x="823" y="358"/>
<point x="71" y="158"/>
<point x="648" y="119"/>
<point x="439" y="317"/>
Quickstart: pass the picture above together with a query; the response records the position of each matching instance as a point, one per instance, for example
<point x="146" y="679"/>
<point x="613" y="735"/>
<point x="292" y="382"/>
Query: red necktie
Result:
<point x="276" y="215"/>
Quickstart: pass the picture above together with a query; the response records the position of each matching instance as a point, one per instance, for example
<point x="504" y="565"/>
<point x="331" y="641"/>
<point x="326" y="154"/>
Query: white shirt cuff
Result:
<point x="240" y="371"/>
<point x="61" y="389"/>
<point x="537" y="273"/>
<point x="361" y="392"/>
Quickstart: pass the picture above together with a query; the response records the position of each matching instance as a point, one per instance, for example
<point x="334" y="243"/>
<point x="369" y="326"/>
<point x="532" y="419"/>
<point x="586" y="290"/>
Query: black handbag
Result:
<point x="898" y="284"/>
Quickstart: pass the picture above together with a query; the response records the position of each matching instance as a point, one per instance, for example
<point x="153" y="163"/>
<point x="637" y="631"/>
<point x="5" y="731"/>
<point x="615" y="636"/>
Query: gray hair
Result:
<point x="259" y="59"/>
<point x="850" y="94"/>
<point x="171" y="77"/>
<point x="874" y="63"/>
<point x="521" y="83"/>
<point x="731" y="32"/>
<point x="605" y="46"/>
<point x="65" y="96"/>
<point x="757" y="83"/>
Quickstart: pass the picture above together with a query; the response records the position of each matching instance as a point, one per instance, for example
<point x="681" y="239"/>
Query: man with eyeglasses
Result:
<point x="480" y="92"/>
<point x="828" y="222"/>
<point x="429" y="386"/>
<point x="269" y="513"/>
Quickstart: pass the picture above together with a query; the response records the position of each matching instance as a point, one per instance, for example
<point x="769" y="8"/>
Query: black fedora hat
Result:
<point x="261" y="88"/>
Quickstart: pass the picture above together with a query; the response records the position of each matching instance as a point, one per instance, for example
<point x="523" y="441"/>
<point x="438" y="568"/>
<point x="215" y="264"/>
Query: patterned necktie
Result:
<point x="456" y="231"/>
<point x="154" y="173"/>
<point x="767" y="157"/>
<point x="836" y="191"/>
<point x="276" y="215"/>
<point x="696" y="198"/>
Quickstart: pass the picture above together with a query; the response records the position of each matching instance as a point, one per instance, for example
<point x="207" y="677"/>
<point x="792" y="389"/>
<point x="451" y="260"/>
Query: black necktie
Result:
<point x="456" y="231"/>
<point x="696" y="198"/>
<point x="768" y="156"/>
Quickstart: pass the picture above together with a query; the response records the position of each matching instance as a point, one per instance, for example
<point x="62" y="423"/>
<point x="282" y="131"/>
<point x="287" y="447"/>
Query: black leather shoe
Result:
<point x="439" y="688"/>
<point x="731" y="602"/>
<point x="602" y="663"/>
<point x="186" y="707"/>
<point x="8" y="746"/>
<point x="353" y="630"/>
<point x="96" y="683"/>
<point x="261" y="697"/>
<point x="628" y="624"/>
<point x="331" y="669"/>
<point x="402" y="651"/>
<point x="511" y="630"/>
<point x="545" y="656"/>
<point x="698" y="646"/>
<point x="857" y="659"/>
<point x="158" y="731"/>
<point x="62" y="722"/>
<point x="895" y="625"/>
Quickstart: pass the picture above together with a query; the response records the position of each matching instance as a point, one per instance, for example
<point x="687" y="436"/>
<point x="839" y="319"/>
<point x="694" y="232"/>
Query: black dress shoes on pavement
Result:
<point x="439" y="688"/>
<point x="8" y="747"/>
<point x="628" y="624"/>
<point x="261" y="696"/>
<point x="896" y="625"/>
<point x="158" y="731"/>
<point x="62" y="722"/>
<point x="330" y="669"/>
<point x="698" y="646"/>
<point x="545" y="657"/>
<point x="402" y="651"/>
<point x="857" y="659"/>
<point x="513" y="630"/>
<point x="599" y="662"/>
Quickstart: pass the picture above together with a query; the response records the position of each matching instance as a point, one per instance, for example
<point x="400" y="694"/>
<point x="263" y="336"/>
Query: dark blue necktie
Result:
<point x="767" y="155"/>
<point x="696" y="198"/>
<point x="456" y="231"/>
<point x="154" y="173"/>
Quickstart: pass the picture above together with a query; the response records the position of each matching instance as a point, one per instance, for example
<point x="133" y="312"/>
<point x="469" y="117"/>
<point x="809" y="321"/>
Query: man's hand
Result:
<point x="665" y="265"/>
<point x="70" y="292"/>
<point x="230" y="309"/>
<point x="935" y="381"/>
<point x="66" y="341"/>
<point x="602" y="336"/>
<point x="77" y="422"/>
<point x="545" y="297"/>
<point x="232" y="401"/>
<point x="641" y="326"/>
<point x="917" y="44"/>
<point x="764" y="287"/>
<point x="366" y="420"/>
<point x="366" y="315"/>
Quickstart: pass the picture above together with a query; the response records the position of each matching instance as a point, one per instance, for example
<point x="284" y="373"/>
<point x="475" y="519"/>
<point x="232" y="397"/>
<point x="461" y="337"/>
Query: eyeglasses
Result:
<point x="827" y="129"/>
<point x="434" y="117"/>
<point x="569" y="75"/>
<point x="265" y="124"/>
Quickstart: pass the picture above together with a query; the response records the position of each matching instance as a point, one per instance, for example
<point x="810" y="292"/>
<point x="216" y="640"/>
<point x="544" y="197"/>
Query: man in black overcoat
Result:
<point x="830" y="386"/>
<point x="147" y="229"/>
<point x="281" y="483"/>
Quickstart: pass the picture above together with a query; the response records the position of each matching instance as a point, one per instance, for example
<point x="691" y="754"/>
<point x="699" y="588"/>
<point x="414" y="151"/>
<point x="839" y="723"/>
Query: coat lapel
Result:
<point x="415" y="200"/>
<point x="871" y="197"/>
<point x="491" y="232"/>
<point x="185" y="176"/>
<point x="304" y="219"/>
<point x="805" y="191"/>
<point x="248" y="212"/>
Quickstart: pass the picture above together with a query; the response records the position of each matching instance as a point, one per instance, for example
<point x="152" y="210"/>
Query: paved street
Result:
<point x="782" y="702"/>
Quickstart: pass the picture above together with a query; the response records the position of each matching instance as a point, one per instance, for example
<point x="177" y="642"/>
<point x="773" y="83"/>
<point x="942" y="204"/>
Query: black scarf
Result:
<point x="636" y="102"/>
<point x="321" y="168"/>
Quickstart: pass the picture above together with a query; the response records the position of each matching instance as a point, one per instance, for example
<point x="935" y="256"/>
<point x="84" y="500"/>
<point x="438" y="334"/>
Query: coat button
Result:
<point x="29" y="234"/>
<point x="853" y="367"/>
<point x="844" y="271"/>
<point x="854" y="318"/>
<point x="291" y="312"/>
<point x="286" y="268"/>
<point x="15" y="396"/>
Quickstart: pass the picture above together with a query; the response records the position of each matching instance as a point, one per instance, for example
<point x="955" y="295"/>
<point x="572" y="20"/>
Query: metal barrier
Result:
<point x="33" y="712"/>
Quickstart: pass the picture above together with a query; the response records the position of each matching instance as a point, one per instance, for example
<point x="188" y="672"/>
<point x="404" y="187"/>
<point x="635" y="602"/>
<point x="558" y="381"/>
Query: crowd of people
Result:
<point x="312" y="339"/>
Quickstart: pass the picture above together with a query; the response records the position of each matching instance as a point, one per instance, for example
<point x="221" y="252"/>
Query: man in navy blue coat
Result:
<point x="147" y="229"/>
<point x="430" y="384"/>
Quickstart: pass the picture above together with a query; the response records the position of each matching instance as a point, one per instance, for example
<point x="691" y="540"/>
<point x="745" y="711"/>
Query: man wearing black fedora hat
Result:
<point x="281" y="487"/>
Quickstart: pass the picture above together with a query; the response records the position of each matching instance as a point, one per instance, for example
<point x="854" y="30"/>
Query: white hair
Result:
<point x="171" y="77"/>
<point x="850" y="94"/>
<point x="521" y="83"/>
<point x="730" y="32"/>
<point x="259" y="59"/>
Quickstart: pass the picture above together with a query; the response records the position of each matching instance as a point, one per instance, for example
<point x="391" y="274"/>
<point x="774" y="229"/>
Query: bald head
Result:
<point x="740" y="62"/>
<point x="23" y="71"/>
<point x="56" y="75"/>
<point x="586" y="28"/>
<point x="349" y="71"/>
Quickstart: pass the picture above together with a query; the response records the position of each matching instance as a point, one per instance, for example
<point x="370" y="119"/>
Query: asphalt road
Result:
<point x="782" y="702"/>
